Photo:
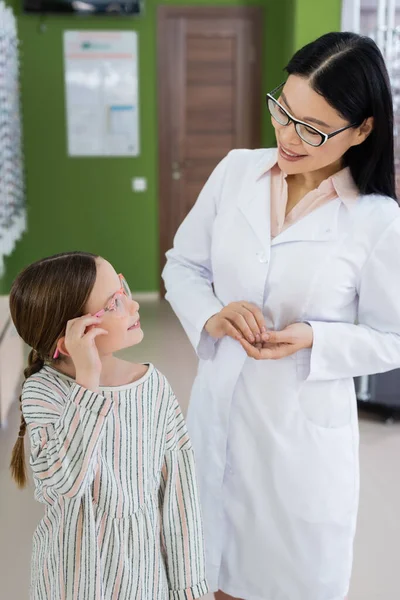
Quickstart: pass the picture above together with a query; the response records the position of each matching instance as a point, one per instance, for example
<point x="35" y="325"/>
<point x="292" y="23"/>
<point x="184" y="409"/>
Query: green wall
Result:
<point x="87" y="203"/>
<point x="313" y="18"/>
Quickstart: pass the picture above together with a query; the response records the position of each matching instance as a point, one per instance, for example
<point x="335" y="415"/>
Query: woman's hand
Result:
<point x="238" y="320"/>
<point x="278" y="344"/>
<point x="80" y="342"/>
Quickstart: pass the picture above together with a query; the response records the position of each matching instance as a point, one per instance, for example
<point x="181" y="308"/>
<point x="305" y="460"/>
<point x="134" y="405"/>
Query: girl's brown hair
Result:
<point x="43" y="298"/>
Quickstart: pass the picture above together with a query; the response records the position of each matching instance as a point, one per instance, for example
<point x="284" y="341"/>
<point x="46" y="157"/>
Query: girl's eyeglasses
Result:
<point x="117" y="305"/>
<point x="309" y="134"/>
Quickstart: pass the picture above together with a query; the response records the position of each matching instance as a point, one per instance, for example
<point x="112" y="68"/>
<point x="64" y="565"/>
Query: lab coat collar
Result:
<point x="255" y="205"/>
<point x="321" y="225"/>
<point x="266" y="162"/>
<point x="254" y="198"/>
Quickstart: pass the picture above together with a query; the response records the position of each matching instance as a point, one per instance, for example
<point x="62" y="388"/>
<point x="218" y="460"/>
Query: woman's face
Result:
<point x="296" y="156"/>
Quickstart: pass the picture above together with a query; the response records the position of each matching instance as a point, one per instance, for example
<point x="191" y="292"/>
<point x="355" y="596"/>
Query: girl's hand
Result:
<point x="278" y="344"/>
<point x="238" y="320"/>
<point x="80" y="342"/>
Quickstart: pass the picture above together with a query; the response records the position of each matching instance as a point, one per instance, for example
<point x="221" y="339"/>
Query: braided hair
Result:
<point x="17" y="464"/>
<point x="43" y="298"/>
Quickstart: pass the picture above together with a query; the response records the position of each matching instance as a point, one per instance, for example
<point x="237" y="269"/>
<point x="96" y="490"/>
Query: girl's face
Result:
<point x="122" y="324"/>
<point x="305" y="104"/>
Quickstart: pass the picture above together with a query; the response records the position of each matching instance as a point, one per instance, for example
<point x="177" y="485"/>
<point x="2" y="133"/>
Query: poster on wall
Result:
<point x="101" y="83"/>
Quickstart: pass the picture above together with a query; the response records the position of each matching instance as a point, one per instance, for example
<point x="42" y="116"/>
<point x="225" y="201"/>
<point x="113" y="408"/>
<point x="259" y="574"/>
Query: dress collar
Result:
<point x="342" y="182"/>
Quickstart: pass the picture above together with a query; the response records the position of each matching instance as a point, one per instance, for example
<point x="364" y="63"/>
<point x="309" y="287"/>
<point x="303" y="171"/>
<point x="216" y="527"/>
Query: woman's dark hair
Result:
<point x="43" y="298"/>
<point x="349" y="71"/>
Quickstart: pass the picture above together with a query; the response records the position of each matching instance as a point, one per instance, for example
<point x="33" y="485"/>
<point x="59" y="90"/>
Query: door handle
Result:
<point x="176" y="171"/>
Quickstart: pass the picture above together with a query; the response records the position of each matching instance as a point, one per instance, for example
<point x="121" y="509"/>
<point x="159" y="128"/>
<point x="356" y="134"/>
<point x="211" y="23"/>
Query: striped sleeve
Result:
<point x="65" y="424"/>
<point x="182" y="531"/>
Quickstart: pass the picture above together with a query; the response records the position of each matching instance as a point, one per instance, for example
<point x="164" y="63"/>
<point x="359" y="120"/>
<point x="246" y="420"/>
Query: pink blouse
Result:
<point x="339" y="185"/>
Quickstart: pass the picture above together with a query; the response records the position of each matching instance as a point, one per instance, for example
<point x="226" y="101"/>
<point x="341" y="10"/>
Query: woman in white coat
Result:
<point x="286" y="278"/>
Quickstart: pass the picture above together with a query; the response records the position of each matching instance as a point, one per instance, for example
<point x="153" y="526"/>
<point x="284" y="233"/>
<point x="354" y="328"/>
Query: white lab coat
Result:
<point x="296" y="502"/>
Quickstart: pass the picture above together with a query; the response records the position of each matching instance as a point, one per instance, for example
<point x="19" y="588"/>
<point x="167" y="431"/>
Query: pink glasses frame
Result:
<point x="121" y="292"/>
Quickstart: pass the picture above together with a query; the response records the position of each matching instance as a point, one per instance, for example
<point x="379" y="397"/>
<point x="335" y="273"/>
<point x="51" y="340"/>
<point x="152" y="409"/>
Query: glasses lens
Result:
<point x="126" y="288"/>
<point x="118" y="305"/>
<point x="309" y="135"/>
<point x="277" y="112"/>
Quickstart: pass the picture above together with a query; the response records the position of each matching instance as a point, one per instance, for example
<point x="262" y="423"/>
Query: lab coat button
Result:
<point x="262" y="257"/>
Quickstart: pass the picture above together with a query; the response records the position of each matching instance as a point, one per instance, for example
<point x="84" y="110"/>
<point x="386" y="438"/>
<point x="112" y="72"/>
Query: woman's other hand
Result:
<point x="278" y="344"/>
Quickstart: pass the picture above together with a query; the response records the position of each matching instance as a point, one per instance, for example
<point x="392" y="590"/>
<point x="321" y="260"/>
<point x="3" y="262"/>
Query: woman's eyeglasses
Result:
<point x="309" y="134"/>
<point x="117" y="305"/>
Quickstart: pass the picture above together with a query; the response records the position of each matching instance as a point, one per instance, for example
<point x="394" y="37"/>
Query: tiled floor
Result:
<point x="377" y="554"/>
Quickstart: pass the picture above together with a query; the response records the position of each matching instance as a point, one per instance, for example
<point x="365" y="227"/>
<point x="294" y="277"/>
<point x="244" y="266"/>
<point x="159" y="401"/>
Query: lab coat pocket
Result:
<point x="319" y="477"/>
<point x="327" y="404"/>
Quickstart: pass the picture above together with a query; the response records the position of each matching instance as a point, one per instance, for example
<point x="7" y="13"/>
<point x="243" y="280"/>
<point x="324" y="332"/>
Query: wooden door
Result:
<point x="209" y="78"/>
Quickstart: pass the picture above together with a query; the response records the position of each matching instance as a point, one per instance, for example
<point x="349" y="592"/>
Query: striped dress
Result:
<point x="115" y="471"/>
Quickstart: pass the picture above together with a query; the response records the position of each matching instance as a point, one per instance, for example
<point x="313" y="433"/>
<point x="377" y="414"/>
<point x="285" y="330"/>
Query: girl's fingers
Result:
<point x="93" y="333"/>
<point x="79" y="325"/>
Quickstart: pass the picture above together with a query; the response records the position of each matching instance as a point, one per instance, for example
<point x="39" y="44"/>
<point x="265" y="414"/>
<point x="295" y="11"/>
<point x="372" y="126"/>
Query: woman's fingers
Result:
<point x="277" y="352"/>
<point x="238" y="319"/>
<point x="231" y="331"/>
<point x="279" y="344"/>
<point x="257" y="315"/>
<point x="270" y="353"/>
<point x="278" y="337"/>
<point x="241" y="324"/>
<point x="252" y="323"/>
<point x="249" y="319"/>
<point x="251" y="350"/>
